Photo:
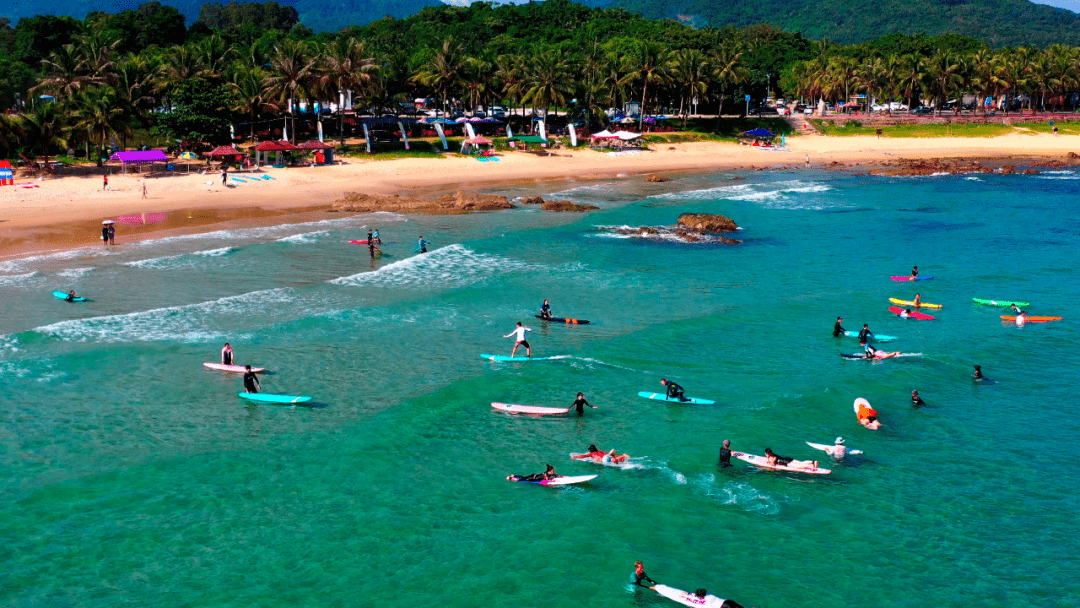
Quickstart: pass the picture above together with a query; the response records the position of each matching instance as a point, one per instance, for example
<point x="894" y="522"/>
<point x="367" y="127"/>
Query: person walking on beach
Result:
<point x="251" y="381"/>
<point x="112" y="234"/>
<point x="105" y="235"/>
<point x="105" y="179"/>
<point x="224" y="174"/>
<point x="807" y="161"/>
<point x="144" y="190"/>
<point x="519" y="338"/>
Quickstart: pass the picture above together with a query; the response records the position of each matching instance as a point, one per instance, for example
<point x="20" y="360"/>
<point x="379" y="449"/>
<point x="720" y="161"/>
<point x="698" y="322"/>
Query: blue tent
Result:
<point x="759" y="133"/>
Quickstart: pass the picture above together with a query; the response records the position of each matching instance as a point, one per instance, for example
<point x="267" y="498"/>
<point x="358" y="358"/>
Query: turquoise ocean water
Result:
<point x="131" y="476"/>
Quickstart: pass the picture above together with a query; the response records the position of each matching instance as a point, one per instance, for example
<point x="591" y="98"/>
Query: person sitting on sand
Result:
<point x="868" y="417"/>
<point x="547" y="475"/>
<point x="773" y="460"/>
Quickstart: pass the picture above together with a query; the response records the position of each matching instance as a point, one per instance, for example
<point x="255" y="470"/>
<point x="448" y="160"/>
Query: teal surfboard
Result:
<point x="1000" y="302"/>
<point x="63" y="296"/>
<point x="278" y="399"/>
<point x="873" y="337"/>
<point x="663" y="397"/>
<point x="515" y="359"/>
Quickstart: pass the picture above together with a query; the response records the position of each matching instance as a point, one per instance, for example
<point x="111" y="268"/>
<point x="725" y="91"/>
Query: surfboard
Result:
<point x="762" y="462"/>
<point x="563" y="481"/>
<point x="530" y="409"/>
<point x="363" y="242"/>
<point x="236" y="369"/>
<point x="911" y="278"/>
<point x="278" y="399"/>
<point x="873" y="338"/>
<point x="1000" y="302"/>
<point x="1032" y="319"/>
<point x="561" y="320"/>
<point x="626" y="464"/>
<point x="862" y="356"/>
<point x="914" y="315"/>
<point x="825" y="448"/>
<point x="514" y="359"/>
<point x="663" y="397"/>
<point x="688" y="599"/>
<point x="63" y="296"/>
<point x="912" y="303"/>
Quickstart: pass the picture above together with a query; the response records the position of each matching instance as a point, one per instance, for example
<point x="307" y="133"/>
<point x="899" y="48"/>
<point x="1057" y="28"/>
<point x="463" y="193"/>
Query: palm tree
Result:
<point x="291" y="73"/>
<point x="251" y="93"/>
<point x="728" y="70"/>
<point x="98" y="114"/>
<point x="549" y="80"/>
<point x="510" y="73"/>
<point x="983" y="67"/>
<point x="477" y="74"/>
<point x="910" y="77"/>
<point x="347" y="66"/>
<point x="946" y="72"/>
<point x="96" y="50"/>
<point x="691" y="71"/>
<point x="63" y="76"/>
<point x="444" y="70"/>
<point x="46" y="126"/>
<point x="651" y="63"/>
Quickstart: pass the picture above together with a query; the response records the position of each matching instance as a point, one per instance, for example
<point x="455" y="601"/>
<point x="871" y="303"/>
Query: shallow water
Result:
<point x="134" y="476"/>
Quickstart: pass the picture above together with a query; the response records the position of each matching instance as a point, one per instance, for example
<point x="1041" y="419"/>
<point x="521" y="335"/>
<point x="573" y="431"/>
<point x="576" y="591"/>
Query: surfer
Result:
<point x="725" y="454"/>
<point x="612" y="458"/>
<point x="837" y="450"/>
<point x="639" y="575"/>
<point x="916" y="302"/>
<point x="372" y="248"/>
<point x="370" y="236"/>
<point x="978" y="373"/>
<point x="865" y="334"/>
<point x="251" y="381"/>
<point x="1015" y="308"/>
<point x="674" y="391"/>
<point x="1021" y="318"/>
<point x="916" y="400"/>
<point x="838" y="329"/>
<point x="519" y="340"/>
<point x="868" y="417"/>
<point x="906" y="313"/>
<point x="871" y="352"/>
<point x="580" y="404"/>
<point x="914" y="272"/>
<point x="227" y="355"/>
<point x="377" y="238"/>
<point x="422" y="244"/>
<point x="71" y="296"/>
<point x="773" y="460"/>
<point x="545" y="310"/>
<point x="547" y="475"/>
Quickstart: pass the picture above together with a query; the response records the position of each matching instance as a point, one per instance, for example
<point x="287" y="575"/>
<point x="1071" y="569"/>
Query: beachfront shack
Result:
<point x="139" y="158"/>
<point x="324" y="153"/>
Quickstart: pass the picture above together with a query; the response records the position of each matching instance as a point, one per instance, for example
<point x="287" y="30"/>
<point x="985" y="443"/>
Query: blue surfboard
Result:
<point x="514" y="359"/>
<point x="277" y="399"/>
<point x="63" y="296"/>
<point x="663" y="397"/>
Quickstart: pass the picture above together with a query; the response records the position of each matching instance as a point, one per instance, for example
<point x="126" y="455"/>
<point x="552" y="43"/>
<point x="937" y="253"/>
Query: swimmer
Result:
<point x="916" y="400"/>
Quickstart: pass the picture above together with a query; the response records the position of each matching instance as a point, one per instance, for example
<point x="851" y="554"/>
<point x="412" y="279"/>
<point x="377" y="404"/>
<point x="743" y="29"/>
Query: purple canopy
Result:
<point x="149" y="156"/>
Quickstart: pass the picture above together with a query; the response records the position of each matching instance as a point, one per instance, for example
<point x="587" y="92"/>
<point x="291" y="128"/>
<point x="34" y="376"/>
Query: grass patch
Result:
<point x="391" y="151"/>
<point x="681" y="137"/>
<point x="1064" y="128"/>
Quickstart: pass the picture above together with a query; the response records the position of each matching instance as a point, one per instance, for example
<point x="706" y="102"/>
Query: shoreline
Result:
<point x="65" y="213"/>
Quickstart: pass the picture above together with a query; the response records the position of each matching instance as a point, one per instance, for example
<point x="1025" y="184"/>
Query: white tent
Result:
<point x="627" y="135"/>
<point x="605" y="134"/>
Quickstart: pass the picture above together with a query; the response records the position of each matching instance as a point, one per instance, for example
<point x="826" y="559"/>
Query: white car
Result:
<point x="896" y="105"/>
<point x="783" y="110"/>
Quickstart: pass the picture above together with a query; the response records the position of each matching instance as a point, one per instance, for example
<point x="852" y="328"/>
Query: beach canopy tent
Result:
<point x="763" y="133"/>
<point x="851" y="104"/>
<point x="529" y="139"/>
<point x="188" y="156"/>
<point x="140" y="157"/>
<point x="7" y="174"/>
<point x="223" y="152"/>
<point x="627" y="135"/>
<point x="605" y="134"/>
<point x="324" y="153"/>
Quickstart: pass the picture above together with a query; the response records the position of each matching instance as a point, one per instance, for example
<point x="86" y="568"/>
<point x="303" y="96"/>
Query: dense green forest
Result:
<point x="85" y="84"/>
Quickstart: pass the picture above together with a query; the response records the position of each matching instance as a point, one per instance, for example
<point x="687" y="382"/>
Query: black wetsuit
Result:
<point x="674" y="391"/>
<point x="864" y="335"/>
<point x="226" y="357"/>
<point x="545" y="311"/>
<point x="837" y="330"/>
<point x="725" y="458"/>
<point x="781" y="460"/>
<point x="917" y="401"/>
<point x="251" y="382"/>
<point x="533" y="477"/>
<point x="635" y="579"/>
<point x="371" y="248"/>
<point x="580" y="404"/>
<point x="70" y="297"/>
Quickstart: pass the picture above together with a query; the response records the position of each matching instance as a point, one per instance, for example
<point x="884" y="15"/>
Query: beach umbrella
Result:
<point x="189" y="156"/>
<point x="106" y="222"/>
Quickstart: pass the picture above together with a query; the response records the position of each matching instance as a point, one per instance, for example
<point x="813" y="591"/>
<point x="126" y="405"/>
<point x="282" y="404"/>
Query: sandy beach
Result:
<point x="67" y="212"/>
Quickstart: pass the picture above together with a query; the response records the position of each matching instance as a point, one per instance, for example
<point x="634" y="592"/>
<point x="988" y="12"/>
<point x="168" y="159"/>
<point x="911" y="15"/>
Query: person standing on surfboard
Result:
<point x="519" y="339"/>
<point x="227" y="355"/>
<point x="639" y="575"/>
<point x="251" y="381"/>
<point x="838" y="329"/>
<point x="674" y="391"/>
<point x="580" y="404"/>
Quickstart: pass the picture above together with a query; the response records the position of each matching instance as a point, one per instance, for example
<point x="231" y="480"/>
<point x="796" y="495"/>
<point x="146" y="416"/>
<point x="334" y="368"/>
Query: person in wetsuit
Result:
<point x="251" y="381"/>
<point x="545" y="310"/>
<point x="547" y="475"/>
<point x="674" y="391"/>
<point x="370" y="237"/>
<point x="916" y="400"/>
<point x="372" y="248"/>
<point x="978" y="373"/>
<point x="865" y="334"/>
<point x="423" y="244"/>
<point x="914" y="271"/>
<point x="725" y="454"/>
<point x="71" y="296"/>
<point x="227" y="355"/>
<point x="377" y="238"/>
<point x="580" y="404"/>
<point x="639" y="575"/>
<point x="871" y="352"/>
<point x="838" y="329"/>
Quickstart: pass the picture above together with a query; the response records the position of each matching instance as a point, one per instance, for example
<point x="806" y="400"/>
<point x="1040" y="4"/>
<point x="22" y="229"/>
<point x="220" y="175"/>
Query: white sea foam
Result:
<point x="48" y="260"/>
<point x="170" y="262"/>
<point x="203" y="322"/>
<point x="778" y="195"/>
<point x="15" y="279"/>
<point x="73" y="273"/>
<point x="738" y="493"/>
<point x="303" y="238"/>
<point x="446" y="267"/>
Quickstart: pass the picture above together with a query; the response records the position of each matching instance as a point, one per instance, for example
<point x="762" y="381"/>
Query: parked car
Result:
<point x="783" y="110"/>
<point x="762" y="111"/>
<point x="808" y="110"/>
<point x="498" y="112"/>
<point x="921" y="110"/>
<point x="948" y="106"/>
<point x="479" y="114"/>
<point x="896" y="106"/>
<point x="381" y="136"/>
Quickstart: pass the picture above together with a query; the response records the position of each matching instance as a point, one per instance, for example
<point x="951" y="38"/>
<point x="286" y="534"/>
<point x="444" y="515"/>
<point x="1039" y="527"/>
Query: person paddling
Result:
<point x="674" y="391"/>
<point x="905" y="314"/>
<point x="227" y="355"/>
<point x="519" y="340"/>
<point x="71" y="296"/>
<point x="547" y="475"/>
<point x="838" y="329"/>
<point x="580" y="404"/>
<point x="251" y="381"/>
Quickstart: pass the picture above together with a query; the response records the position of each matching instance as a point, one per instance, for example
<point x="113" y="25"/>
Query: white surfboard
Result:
<point x="825" y="448"/>
<point x="860" y="401"/>
<point x="762" y="462"/>
<point x="687" y="599"/>
<point x="562" y="481"/>
<point x="530" y="409"/>
<point x="236" y="369"/>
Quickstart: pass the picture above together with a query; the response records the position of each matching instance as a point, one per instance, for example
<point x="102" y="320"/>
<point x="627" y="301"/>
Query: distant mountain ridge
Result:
<point x="997" y="22"/>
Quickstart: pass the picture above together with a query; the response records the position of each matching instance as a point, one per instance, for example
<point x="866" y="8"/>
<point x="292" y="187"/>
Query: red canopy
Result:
<point x="269" y="146"/>
<point x="315" y="145"/>
<point x="287" y="146"/>
<point x="479" y="140"/>
<point x="223" y="151"/>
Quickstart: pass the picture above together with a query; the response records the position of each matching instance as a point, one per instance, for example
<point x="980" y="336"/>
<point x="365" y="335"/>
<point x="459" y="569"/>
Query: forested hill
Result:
<point x="997" y="22"/>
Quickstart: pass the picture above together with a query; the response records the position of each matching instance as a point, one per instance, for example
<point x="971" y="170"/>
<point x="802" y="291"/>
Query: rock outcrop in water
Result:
<point x="565" y="206"/>
<point x="705" y="222"/>
<point x="654" y="178"/>
<point x="692" y="228"/>
<point x="458" y="202"/>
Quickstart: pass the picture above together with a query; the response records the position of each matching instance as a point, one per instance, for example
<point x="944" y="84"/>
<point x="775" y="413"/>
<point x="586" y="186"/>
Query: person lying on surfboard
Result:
<point x="906" y="313"/>
<point x="251" y="381"/>
<point x="580" y="404"/>
<point x="71" y="296"/>
<point x="545" y="310"/>
<point x="773" y="460"/>
<point x="639" y="575"/>
<point x="838" y="329"/>
<point x="227" y="355"/>
<point x="674" y="391"/>
<point x="868" y="417"/>
<point x="519" y="340"/>
<point x="701" y="597"/>
<point x="547" y="475"/>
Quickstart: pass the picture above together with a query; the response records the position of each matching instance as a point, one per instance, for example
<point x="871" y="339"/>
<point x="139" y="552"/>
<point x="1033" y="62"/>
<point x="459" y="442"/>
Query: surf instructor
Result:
<point x="251" y="381"/>
<point x="519" y="340"/>
<point x="580" y="404"/>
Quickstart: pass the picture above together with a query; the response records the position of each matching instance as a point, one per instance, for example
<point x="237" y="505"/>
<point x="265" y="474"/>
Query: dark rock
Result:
<point x="533" y="200"/>
<point x="705" y="222"/>
<point x="566" y="206"/>
<point x="656" y="178"/>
